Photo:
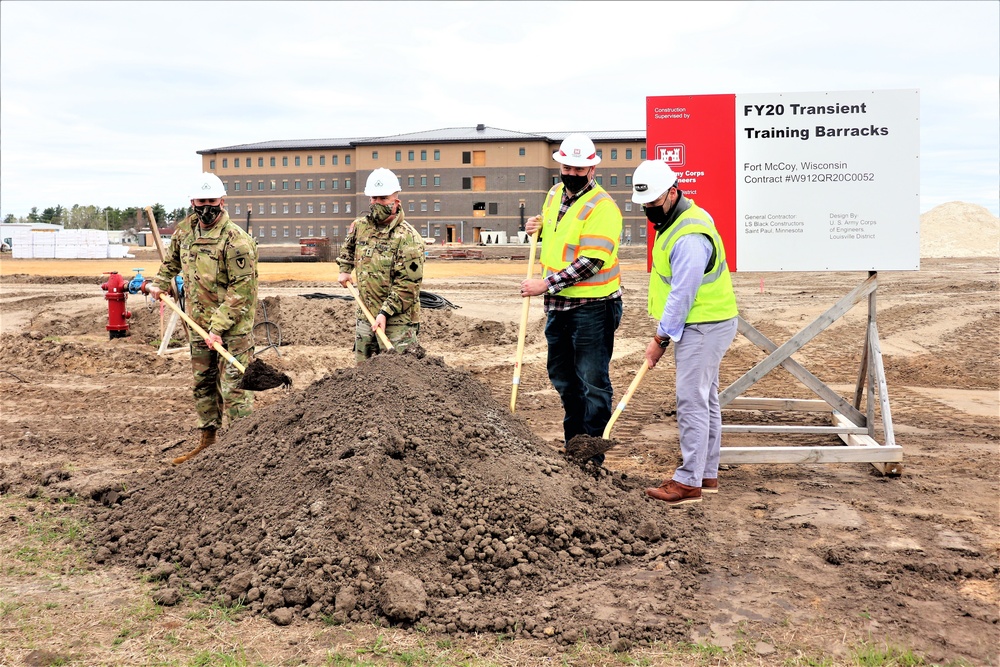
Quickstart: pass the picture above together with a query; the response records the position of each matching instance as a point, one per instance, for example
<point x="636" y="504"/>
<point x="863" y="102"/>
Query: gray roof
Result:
<point x="443" y="135"/>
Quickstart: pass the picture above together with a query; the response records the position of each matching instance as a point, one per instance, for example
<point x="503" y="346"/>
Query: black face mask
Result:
<point x="207" y="214"/>
<point x="656" y="215"/>
<point x="574" y="183"/>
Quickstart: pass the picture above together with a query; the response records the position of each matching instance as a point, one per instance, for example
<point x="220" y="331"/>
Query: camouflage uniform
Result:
<point x="389" y="263"/>
<point x="219" y="266"/>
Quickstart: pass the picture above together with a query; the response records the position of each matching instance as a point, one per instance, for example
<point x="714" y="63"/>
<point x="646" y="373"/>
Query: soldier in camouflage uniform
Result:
<point x="387" y="254"/>
<point x="218" y="261"/>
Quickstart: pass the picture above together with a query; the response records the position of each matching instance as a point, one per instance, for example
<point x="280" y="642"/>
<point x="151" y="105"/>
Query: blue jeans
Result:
<point x="580" y="345"/>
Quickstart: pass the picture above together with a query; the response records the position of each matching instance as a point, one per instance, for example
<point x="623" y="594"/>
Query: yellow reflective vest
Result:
<point x="715" y="300"/>
<point x="591" y="227"/>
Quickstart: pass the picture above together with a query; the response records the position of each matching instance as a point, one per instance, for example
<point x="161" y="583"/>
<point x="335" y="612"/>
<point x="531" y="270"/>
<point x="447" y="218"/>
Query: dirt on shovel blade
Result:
<point x="582" y="447"/>
<point x="260" y="376"/>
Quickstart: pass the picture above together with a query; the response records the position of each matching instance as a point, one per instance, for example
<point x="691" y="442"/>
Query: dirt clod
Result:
<point x="259" y="377"/>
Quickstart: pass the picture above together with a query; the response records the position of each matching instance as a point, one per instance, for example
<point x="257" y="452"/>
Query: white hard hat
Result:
<point x="381" y="182"/>
<point x="577" y="150"/>
<point x="208" y="186"/>
<point x="651" y="179"/>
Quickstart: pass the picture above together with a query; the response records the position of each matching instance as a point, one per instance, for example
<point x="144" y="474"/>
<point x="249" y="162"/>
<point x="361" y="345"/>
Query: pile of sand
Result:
<point x="957" y="229"/>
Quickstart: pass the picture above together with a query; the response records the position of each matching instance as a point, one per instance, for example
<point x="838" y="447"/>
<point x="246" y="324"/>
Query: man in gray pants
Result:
<point x="691" y="295"/>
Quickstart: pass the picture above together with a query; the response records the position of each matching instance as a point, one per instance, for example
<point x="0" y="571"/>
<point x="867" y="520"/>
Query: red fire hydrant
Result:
<point x="118" y="314"/>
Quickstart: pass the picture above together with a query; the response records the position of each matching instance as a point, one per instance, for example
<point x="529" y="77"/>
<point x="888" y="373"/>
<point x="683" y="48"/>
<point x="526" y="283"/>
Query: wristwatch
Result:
<point x="662" y="342"/>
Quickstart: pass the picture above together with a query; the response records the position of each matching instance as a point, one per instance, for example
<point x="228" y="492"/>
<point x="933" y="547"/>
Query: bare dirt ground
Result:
<point x="402" y="496"/>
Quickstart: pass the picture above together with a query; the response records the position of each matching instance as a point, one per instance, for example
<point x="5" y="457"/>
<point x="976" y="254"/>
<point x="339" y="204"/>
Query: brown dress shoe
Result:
<point x="675" y="494"/>
<point x="710" y="485"/>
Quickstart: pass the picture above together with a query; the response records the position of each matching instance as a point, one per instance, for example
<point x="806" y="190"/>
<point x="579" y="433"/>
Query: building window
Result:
<point x="347" y="159"/>
<point x="260" y="186"/>
<point x="599" y="179"/>
<point x="466" y="157"/>
<point x="399" y="156"/>
<point x="437" y="181"/>
<point x="260" y="232"/>
<point x="211" y="165"/>
<point x="333" y="160"/>
<point x="260" y="210"/>
<point x="260" y="162"/>
<point x="322" y="184"/>
<point x="423" y="181"/>
<point x="284" y="232"/>
<point x="309" y="231"/>
<point x="274" y="209"/>
<point x="628" y="206"/>
<point x="322" y="160"/>
<point x="335" y="207"/>
<point x="520" y="178"/>
<point x="237" y="211"/>
<point x="466" y="183"/>
<point x="423" y="206"/>
<point x="614" y="180"/>
<point x="284" y="185"/>
<point x="236" y="163"/>
<point x="249" y="163"/>
<point x="628" y="179"/>
<point x="309" y="160"/>
<point x="347" y="184"/>
<point x="298" y="185"/>
<point x="521" y="151"/>
<point x="309" y="185"/>
<point x="479" y="183"/>
<point x="600" y="152"/>
<point x="284" y="208"/>
<point x="322" y="207"/>
<point x="322" y="232"/>
<point x="298" y="208"/>
<point x="347" y="207"/>
<point x="236" y="186"/>
<point x="614" y="153"/>
<point x="413" y="207"/>
<point x="409" y="181"/>
<point x="493" y="208"/>
<point x="249" y="186"/>
<point x="437" y="206"/>
<point x="437" y="155"/>
<point x="334" y="184"/>
<point x="274" y="232"/>
<point x="225" y="163"/>
<point x="642" y="156"/>
<point x="374" y="155"/>
<point x="298" y="161"/>
<point x="272" y="161"/>
<point x="284" y="161"/>
<point x="409" y="156"/>
<point x="423" y="156"/>
<point x="298" y="232"/>
<point x="274" y="185"/>
<point x="628" y="153"/>
<point x="309" y="209"/>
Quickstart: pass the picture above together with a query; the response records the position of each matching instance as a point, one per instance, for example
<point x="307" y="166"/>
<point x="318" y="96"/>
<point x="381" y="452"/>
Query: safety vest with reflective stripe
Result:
<point x="715" y="300"/>
<point x="590" y="227"/>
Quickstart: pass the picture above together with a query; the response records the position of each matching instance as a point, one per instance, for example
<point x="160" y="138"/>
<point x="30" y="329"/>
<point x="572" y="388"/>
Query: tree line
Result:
<point x="95" y="217"/>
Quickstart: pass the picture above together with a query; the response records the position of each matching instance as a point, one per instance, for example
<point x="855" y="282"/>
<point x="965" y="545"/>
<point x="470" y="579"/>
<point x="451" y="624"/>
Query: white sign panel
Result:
<point x="828" y="181"/>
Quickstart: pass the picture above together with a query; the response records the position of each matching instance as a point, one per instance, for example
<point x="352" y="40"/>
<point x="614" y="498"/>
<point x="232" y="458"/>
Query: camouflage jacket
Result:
<point x="389" y="264"/>
<point x="219" y="266"/>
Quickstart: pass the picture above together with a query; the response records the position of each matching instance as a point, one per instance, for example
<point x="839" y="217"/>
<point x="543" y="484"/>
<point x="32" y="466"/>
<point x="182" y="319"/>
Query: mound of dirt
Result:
<point x="401" y="491"/>
<point x="958" y="229"/>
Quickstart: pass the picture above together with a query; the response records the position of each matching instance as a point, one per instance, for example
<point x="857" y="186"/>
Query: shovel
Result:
<point x="382" y="338"/>
<point x="257" y="377"/>
<point x="524" y="326"/>
<point x="582" y="447"/>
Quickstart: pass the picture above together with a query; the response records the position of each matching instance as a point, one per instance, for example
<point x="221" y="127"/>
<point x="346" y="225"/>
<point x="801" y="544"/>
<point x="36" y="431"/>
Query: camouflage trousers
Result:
<point x="366" y="343"/>
<point x="216" y="382"/>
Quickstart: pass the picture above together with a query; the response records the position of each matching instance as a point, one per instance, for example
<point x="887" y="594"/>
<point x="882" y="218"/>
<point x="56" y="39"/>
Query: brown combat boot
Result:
<point x="207" y="440"/>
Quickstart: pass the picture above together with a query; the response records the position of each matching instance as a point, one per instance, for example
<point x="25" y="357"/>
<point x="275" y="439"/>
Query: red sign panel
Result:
<point x="696" y="136"/>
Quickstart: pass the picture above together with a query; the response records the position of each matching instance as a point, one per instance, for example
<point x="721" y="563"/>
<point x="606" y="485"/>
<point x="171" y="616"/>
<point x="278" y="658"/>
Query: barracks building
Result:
<point x="460" y="185"/>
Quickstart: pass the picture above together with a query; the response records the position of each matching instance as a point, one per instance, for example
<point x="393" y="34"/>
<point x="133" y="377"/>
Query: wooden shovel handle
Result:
<point x="524" y="325"/>
<point x="625" y="398"/>
<point x="371" y="320"/>
<point x="165" y="298"/>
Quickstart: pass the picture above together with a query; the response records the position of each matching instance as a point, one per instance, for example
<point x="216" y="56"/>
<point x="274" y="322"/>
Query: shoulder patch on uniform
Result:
<point x="241" y="262"/>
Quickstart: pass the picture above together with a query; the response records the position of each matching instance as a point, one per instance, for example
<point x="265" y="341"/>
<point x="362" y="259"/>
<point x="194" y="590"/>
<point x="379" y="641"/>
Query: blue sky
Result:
<point x="106" y="103"/>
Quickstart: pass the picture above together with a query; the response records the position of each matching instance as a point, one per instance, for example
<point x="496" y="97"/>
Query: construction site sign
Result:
<point x="826" y="181"/>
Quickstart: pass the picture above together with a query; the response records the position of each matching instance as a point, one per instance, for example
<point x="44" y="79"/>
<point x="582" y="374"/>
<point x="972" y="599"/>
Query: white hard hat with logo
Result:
<point x="577" y="150"/>
<point x="381" y="182"/>
<point x="651" y="179"/>
<point x="208" y="186"/>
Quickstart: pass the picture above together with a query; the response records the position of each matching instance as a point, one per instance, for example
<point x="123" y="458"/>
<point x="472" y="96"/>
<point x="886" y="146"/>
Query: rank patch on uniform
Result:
<point x="414" y="266"/>
<point x="241" y="262"/>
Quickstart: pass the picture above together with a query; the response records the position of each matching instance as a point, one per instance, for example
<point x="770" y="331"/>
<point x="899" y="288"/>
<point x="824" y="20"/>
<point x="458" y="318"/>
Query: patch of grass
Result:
<point x="233" y="658"/>
<point x="886" y="655"/>
<point x="218" y="612"/>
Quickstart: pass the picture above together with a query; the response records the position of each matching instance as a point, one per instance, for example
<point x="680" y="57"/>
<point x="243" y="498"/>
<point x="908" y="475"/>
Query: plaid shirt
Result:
<point x="581" y="269"/>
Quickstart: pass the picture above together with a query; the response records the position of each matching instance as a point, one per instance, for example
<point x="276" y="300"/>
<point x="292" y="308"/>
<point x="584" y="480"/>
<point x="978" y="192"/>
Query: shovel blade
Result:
<point x="582" y="448"/>
<point x="260" y="376"/>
